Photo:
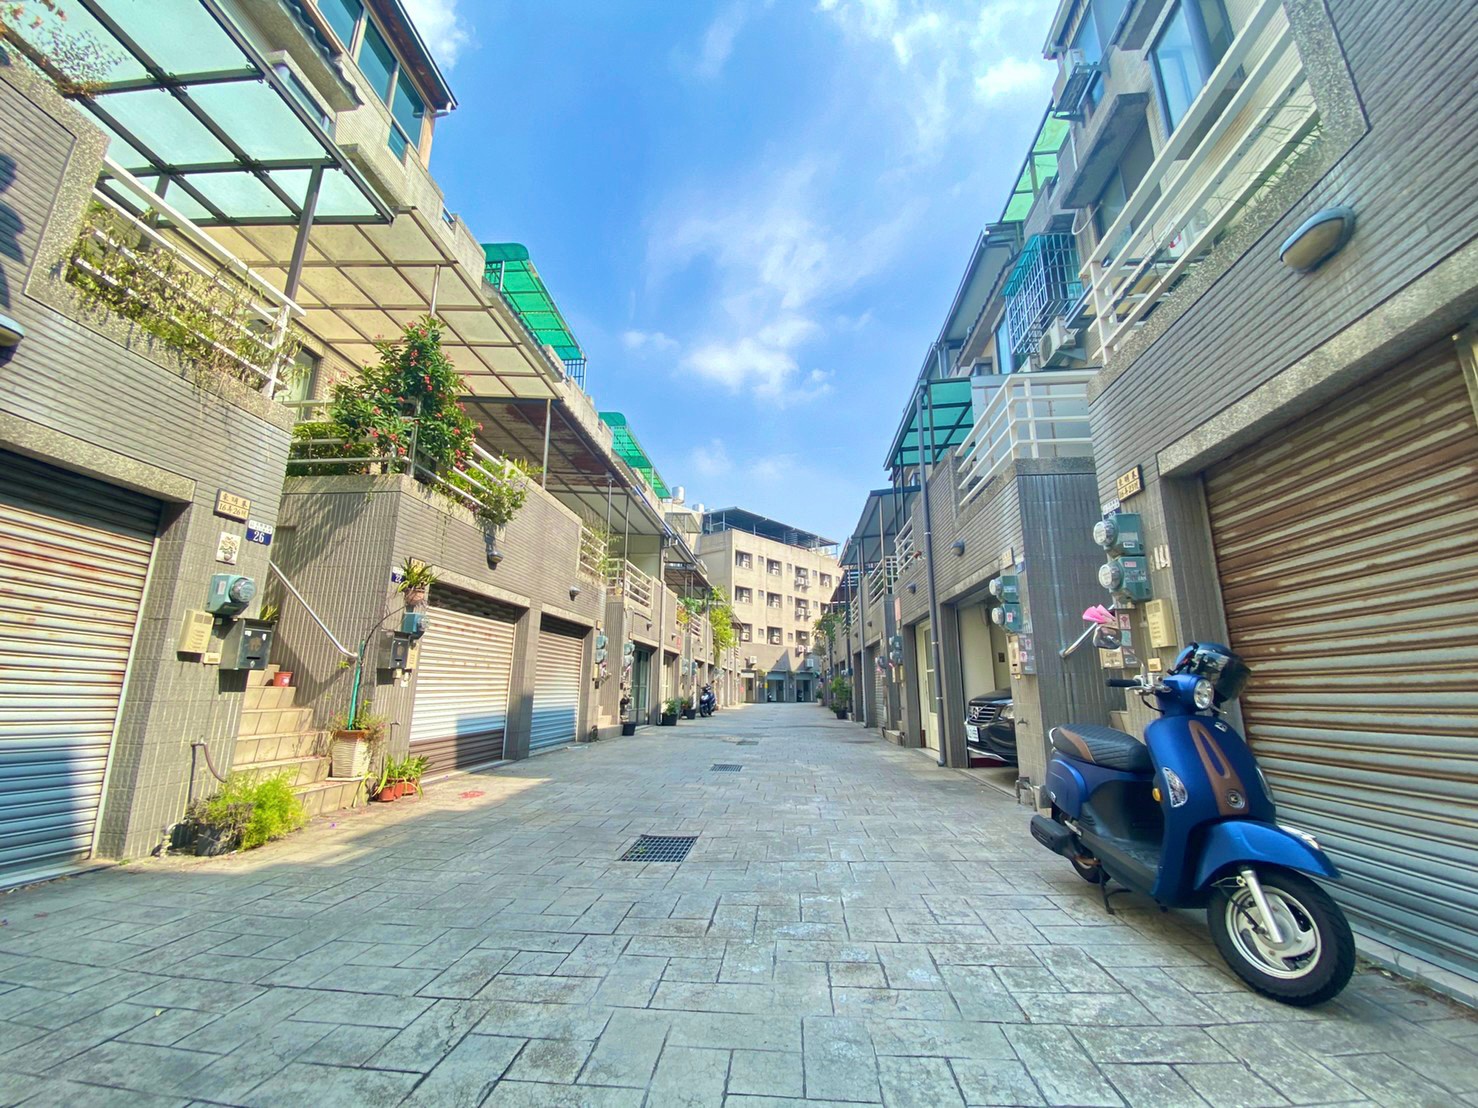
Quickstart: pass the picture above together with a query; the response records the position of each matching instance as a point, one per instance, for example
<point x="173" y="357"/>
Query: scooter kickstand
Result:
<point x="1104" y="889"/>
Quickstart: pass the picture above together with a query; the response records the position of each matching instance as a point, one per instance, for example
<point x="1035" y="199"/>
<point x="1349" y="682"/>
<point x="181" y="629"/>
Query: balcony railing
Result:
<point x="903" y="544"/>
<point x="1043" y="281"/>
<point x="183" y="287"/>
<point x="881" y="579"/>
<point x="636" y="587"/>
<point x="1251" y="121"/>
<point x="594" y="553"/>
<point x="1026" y="415"/>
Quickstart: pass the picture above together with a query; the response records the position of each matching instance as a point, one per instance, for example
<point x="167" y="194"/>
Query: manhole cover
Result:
<point x="660" y="848"/>
<point x="726" y="767"/>
<point x="748" y="742"/>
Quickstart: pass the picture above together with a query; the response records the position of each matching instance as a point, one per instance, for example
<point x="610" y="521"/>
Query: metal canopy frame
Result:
<point x="952" y="414"/>
<point x="741" y="519"/>
<point x="870" y="537"/>
<point x="194" y="110"/>
<point x="512" y="272"/>
<point x="630" y="451"/>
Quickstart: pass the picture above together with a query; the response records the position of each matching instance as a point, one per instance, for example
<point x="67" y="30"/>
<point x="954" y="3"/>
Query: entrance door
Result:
<point x="74" y="558"/>
<point x="641" y="679"/>
<point x="1349" y="572"/>
<point x="928" y="708"/>
<point x="463" y="675"/>
<point x="775" y="689"/>
<point x="557" y="685"/>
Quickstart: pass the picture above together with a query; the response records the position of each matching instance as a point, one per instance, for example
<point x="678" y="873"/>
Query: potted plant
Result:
<point x="841" y="696"/>
<point x="671" y="708"/>
<point x="689" y="711"/>
<point x="354" y="740"/>
<point x="416" y="579"/>
<point x="412" y="769"/>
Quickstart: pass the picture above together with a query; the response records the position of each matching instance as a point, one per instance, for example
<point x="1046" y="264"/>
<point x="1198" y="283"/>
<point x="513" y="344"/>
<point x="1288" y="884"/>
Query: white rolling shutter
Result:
<point x="1346" y="551"/>
<point x="74" y="559"/>
<point x="556" y="689"/>
<point x="463" y="675"/>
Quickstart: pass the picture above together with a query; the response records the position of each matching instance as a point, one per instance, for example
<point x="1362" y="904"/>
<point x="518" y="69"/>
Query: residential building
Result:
<point x="1288" y="409"/>
<point x="777" y="577"/>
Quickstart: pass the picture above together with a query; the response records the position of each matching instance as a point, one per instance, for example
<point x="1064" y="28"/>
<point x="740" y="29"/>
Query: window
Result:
<point x="1005" y="360"/>
<point x="302" y="95"/>
<point x="803" y="638"/>
<point x="405" y="117"/>
<point x="788" y="636"/>
<point x="773" y="566"/>
<point x="377" y="62"/>
<point x="775" y="639"/>
<point x="743" y="560"/>
<point x="802" y="574"/>
<point x="1135" y="163"/>
<point x="1194" y="39"/>
<point x="743" y="595"/>
<point x="826" y="580"/>
<point x="343" y="17"/>
<point x="774" y="599"/>
<point x="746" y="632"/>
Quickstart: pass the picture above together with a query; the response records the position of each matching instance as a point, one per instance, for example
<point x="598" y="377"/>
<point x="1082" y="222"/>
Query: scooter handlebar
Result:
<point x="1122" y="683"/>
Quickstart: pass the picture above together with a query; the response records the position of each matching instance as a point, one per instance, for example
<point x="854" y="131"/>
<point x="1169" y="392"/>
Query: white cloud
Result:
<point x="443" y="27"/>
<point x="718" y="42"/>
<point x="711" y="459"/>
<point x="648" y="340"/>
<point x="1011" y="76"/>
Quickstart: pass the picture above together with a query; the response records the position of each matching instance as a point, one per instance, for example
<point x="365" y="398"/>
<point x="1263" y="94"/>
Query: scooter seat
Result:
<point x="1103" y="746"/>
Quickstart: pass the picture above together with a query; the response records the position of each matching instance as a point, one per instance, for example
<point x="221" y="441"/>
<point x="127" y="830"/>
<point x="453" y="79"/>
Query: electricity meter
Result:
<point x="601" y="645"/>
<point x="1006" y="588"/>
<point x="1119" y="534"/>
<point x="1127" y="577"/>
<point x="412" y="625"/>
<point x="230" y="593"/>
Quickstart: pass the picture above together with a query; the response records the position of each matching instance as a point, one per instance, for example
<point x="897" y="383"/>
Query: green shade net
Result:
<point x="510" y="270"/>
<point x="954" y="415"/>
<point x="1039" y="168"/>
<point x="629" y="450"/>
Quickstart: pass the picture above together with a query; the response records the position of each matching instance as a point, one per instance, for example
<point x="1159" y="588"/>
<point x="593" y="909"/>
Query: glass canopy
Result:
<point x="510" y="270"/>
<point x="192" y="110"/>
<point x="953" y="416"/>
<point x="1039" y="168"/>
<point x="630" y="451"/>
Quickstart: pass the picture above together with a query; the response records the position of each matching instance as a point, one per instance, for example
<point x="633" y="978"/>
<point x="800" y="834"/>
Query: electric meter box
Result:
<point x="412" y="624"/>
<point x="394" y="651"/>
<point x="1006" y="588"/>
<point x="1011" y="618"/>
<point x="230" y="593"/>
<point x="1120" y="534"/>
<point x="246" y="646"/>
<point x="1126" y="576"/>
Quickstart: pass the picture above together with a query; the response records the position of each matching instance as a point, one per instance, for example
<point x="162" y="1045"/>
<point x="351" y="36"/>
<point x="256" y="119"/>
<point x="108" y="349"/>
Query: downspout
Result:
<point x="862" y="629"/>
<point x="923" y="400"/>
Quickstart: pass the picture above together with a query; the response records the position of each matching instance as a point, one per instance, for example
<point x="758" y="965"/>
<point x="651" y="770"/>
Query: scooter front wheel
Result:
<point x="1315" y="952"/>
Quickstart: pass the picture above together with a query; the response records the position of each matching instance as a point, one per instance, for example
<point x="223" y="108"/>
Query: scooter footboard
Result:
<point x="1251" y="842"/>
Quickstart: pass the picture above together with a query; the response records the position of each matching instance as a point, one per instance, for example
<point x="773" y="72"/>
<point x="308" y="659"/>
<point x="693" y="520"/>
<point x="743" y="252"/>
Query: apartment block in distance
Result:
<point x="778" y="578"/>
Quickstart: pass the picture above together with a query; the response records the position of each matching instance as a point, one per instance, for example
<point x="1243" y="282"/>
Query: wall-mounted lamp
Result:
<point x="912" y="588"/>
<point x="490" y="545"/>
<point x="1319" y="238"/>
<point x="958" y="547"/>
<point x="11" y="332"/>
<point x="574" y="591"/>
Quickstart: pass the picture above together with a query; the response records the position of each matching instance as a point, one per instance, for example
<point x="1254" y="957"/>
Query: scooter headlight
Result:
<point x="1204" y="694"/>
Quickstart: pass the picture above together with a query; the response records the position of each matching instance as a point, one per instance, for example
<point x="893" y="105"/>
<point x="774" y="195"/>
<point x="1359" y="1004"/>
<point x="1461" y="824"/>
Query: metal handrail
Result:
<point x="273" y="567"/>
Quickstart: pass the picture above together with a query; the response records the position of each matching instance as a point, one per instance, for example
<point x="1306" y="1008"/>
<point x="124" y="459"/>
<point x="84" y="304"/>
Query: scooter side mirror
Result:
<point x="1107" y="638"/>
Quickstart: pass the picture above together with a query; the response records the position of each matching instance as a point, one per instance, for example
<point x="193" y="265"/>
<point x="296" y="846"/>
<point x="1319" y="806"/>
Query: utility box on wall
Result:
<point x="246" y="646"/>
<point x="394" y="651"/>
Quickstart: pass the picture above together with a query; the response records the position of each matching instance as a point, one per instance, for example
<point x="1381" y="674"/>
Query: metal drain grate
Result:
<point x="748" y="742"/>
<point x="725" y="767"/>
<point x="660" y="848"/>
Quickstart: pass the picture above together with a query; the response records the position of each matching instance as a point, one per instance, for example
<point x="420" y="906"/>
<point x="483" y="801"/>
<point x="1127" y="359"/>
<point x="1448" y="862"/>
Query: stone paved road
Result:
<point x="854" y="925"/>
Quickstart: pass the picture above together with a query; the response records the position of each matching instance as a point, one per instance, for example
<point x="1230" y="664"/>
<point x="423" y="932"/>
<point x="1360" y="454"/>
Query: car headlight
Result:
<point x="1008" y="713"/>
<point x="1204" y="694"/>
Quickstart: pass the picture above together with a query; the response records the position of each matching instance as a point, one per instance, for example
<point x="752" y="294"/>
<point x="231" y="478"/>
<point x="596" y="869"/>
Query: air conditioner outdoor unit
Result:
<point x="1058" y="345"/>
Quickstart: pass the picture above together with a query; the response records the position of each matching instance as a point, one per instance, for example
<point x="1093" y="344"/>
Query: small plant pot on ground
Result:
<point x="668" y="721"/>
<point x="690" y="713"/>
<point x="213" y="841"/>
<point x="841" y="713"/>
<point x="628" y="729"/>
<point x="350" y="753"/>
<point x="392" y="791"/>
<point x="282" y="679"/>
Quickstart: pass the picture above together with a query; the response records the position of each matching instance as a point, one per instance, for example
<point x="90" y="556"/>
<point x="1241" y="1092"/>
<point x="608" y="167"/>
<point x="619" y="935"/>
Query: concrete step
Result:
<point x="256" y="678"/>
<point x="291" y="744"/>
<point x="331" y="795"/>
<point x="299" y="771"/>
<point x="268" y="697"/>
<point x="274" y="721"/>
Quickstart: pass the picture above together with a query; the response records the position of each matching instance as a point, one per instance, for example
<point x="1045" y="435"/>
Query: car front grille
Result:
<point x="983" y="713"/>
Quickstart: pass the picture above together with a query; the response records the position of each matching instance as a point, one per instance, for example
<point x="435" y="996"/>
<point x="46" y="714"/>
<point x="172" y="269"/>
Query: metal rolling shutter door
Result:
<point x="1349" y="572"/>
<point x="463" y="676"/>
<point x="879" y="705"/>
<point x="556" y="689"/>
<point x="74" y="559"/>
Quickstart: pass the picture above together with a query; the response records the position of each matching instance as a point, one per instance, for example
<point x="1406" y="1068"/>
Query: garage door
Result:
<point x="878" y="709"/>
<point x="74" y="557"/>
<point x="557" y="685"/>
<point x="1349" y="570"/>
<point x="462" y="681"/>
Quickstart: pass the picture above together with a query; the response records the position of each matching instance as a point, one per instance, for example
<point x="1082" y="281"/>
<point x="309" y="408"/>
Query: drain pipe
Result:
<point x="921" y="402"/>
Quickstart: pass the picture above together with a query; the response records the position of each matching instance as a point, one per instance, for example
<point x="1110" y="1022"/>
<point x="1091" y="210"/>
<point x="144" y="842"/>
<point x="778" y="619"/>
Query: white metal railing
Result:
<point x="1193" y="193"/>
<point x="269" y="311"/>
<point x="881" y="578"/>
<point x="594" y="550"/>
<point x="1026" y="415"/>
<point x="637" y="587"/>
<point x="903" y="544"/>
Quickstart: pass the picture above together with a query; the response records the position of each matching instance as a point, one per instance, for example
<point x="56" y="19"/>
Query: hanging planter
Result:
<point x="416" y="579"/>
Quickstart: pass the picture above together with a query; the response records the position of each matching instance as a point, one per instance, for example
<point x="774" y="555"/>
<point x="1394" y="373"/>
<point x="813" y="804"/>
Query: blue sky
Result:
<point x="754" y="215"/>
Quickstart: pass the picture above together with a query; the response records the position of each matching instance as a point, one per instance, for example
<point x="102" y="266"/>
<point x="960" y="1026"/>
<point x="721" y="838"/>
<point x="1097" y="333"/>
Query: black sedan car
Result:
<point x="990" y="726"/>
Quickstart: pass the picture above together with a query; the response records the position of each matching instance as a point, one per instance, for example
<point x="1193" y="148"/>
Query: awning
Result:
<point x="196" y="113"/>
<point x="630" y="451"/>
<point x="511" y="272"/>
<point x="883" y="515"/>
<point x="1039" y="168"/>
<point x="953" y="416"/>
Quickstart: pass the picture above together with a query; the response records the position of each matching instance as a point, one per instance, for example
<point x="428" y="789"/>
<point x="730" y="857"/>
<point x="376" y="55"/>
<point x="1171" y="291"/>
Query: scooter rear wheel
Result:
<point x="1316" y="957"/>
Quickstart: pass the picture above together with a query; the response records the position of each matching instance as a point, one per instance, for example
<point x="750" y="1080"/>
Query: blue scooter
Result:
<point x="1186" y="818"/>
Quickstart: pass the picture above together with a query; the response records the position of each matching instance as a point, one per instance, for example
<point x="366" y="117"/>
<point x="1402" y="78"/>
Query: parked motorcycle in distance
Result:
<point x="1186" y="818"/>
<point x="707" y="701"/>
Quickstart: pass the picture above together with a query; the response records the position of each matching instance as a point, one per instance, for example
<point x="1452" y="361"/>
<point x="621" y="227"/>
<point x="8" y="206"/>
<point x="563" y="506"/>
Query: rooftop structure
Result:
<point x="738" y="519"/>
<point x="511" y="271"/>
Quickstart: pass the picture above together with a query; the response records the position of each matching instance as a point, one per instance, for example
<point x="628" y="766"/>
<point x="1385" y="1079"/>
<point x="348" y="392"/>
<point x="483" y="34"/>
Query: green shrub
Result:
<point x="260" y="810"/>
